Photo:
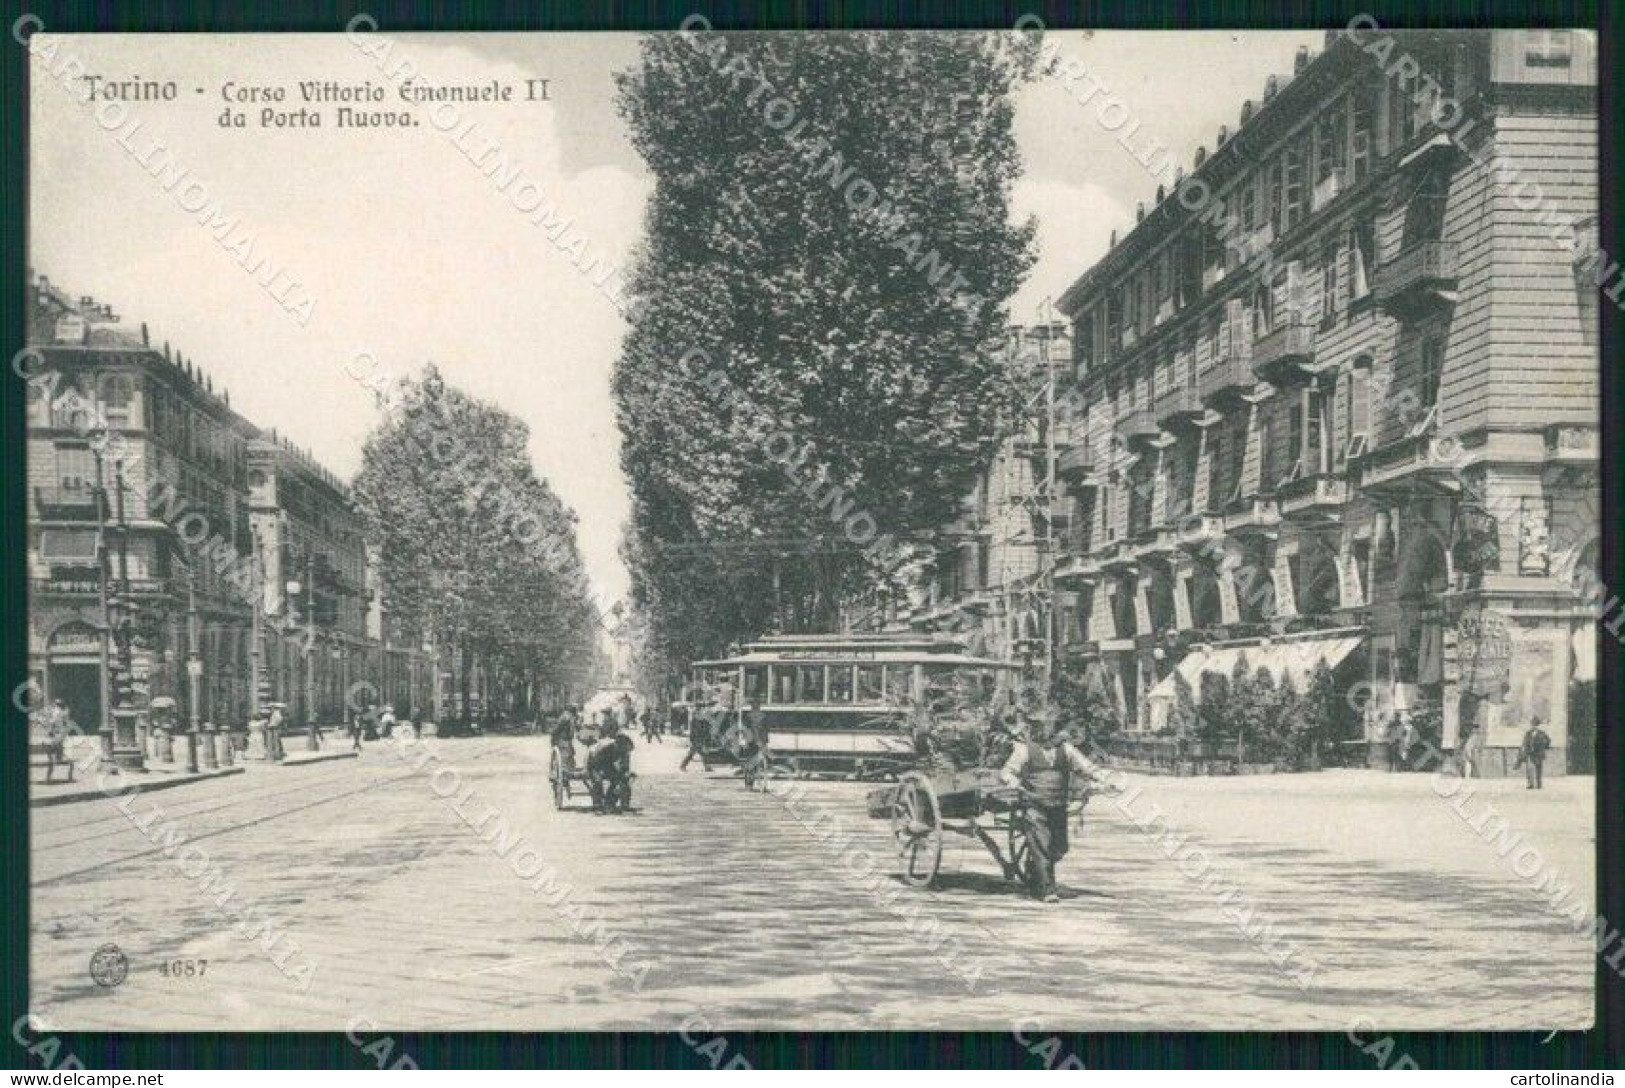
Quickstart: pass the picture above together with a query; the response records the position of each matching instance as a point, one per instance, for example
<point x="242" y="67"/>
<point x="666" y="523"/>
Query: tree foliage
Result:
<point x="844" y="277"/>
<point x="474" y="548"/>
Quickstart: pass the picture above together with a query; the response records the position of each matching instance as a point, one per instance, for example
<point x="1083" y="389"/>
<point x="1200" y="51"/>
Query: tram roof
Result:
<point x="855" y="656"/>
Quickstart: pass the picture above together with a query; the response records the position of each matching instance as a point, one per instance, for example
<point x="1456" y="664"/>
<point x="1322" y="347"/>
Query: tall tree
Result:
<point x="474" y="547"/>
<point x="844" y="276"/>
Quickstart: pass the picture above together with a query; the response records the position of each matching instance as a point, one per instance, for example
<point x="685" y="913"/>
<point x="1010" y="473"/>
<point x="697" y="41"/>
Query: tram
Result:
<point x="840" y="704"/>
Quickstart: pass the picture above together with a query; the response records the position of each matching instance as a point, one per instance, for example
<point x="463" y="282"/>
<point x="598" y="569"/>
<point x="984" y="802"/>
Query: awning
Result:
<point x="1297" y="659"/>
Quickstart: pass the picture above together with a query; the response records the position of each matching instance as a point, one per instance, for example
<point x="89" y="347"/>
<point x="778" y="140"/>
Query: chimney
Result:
<point x="166" y="351"/>
<point x="1301" y="61"/>
<point x="1201" y="156"/>
<point x="1139" y="211"/>
<point x="87" y="301"/>
<point x="1247" y="111"/>
<point x="1224" y="135"/>
<point x="144" y="341"/>
<point x="1161" y="194"/>
<point x="1271" y="86"/>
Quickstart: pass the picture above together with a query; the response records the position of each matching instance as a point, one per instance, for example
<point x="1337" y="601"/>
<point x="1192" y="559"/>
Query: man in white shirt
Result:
<point x="1043" y="766"/>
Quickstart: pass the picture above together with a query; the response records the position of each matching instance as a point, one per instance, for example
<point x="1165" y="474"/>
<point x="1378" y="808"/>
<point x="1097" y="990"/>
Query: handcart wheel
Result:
<point x="560" y="779"/>
<point x="917" y="826"/>
<point x="1020" y="846"/>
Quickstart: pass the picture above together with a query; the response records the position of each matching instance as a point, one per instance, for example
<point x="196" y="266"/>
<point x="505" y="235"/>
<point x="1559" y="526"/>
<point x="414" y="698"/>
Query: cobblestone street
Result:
<point x="729" y="907"/>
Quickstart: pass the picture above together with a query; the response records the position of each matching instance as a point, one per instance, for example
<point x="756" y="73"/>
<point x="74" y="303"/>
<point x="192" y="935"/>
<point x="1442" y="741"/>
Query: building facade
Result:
<point x="137" y="474"/>
<point x="985" y="577"/>
<point x="146" y="487"/>
<point x="1338" y="393"/>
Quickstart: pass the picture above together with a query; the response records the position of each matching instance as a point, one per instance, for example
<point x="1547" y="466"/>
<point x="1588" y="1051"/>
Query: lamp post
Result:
<point x="194" y="683"/>
<point x="104" y="726"/>
<point x="127" y="739"/>
<point x="308" y="592"/>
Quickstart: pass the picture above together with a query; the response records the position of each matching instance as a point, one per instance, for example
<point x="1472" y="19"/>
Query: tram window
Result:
<point x="869" y="690"/>
<point x="810" y="684"/>
<point x="756" y="684"/>
<point x="840" y="683"/>
<point x="784" y="684"/>
<point x="899" y="683"/>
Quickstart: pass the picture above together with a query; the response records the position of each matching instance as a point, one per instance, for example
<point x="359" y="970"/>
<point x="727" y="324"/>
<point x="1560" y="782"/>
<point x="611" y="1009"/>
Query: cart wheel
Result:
<point x="560" y="778"/>
<point x="1015" y="869"/>
<point x="916" y="823"/>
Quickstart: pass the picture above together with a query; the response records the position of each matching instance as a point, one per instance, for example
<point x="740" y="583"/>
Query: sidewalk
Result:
<point x="96" y="782"/>
<point x="88" y="787"/>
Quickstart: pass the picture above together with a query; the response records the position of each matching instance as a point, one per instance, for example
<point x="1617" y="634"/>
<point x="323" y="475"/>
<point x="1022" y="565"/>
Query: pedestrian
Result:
<point x="1042" y="766"/>
<point x="647" y="722"/>
<point x="563" y="737"/>
<point x="1532" y="754"/>
<point x="315" y="733"/>
<point x="387" y="722"/>
<point x="698" y="738"/>
<point x="273" y="732"/>
<point x="1393" y="737"/>
<point x="609" y="769"/>
<point x="1472" y="747"/>
<point x="751" y="739"/>
<point x="356" y="728"/>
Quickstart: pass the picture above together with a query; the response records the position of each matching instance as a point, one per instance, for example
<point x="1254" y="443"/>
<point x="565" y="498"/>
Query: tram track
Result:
<point x="188" y="808"/>
<point x="281" y="812"/>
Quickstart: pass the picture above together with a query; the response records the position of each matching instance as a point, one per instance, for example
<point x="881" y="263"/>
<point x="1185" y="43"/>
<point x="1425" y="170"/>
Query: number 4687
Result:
<point x="183" y="968"/>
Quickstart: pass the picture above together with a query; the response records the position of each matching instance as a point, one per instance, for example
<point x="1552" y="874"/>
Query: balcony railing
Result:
<point x="1138" y="425"/>
<point x="75" y="503"/>
<point x="1230" y="375"/>
<point x="1076" y="463"/>
<point x="1313" y="497"/>
<point x="1285" y="351"/>
<point x="1422" y="276"/>
<point x="1178" y="407"/>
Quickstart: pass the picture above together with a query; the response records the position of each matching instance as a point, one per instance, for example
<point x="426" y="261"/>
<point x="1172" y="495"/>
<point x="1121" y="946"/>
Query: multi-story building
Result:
<point x="145" y="481"/>
<point x="137" y="472"/>
<point x="312" y="543"/>
<point x="1340" y="392"/>
<point x="984" y="577"/>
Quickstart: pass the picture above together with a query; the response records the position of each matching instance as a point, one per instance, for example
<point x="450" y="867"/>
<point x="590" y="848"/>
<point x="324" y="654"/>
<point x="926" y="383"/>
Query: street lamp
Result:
<point x="126" y="738"/>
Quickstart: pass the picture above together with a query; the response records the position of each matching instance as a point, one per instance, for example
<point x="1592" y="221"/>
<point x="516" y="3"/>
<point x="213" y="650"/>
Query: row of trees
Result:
<point x="829" y="241"/>
<point x="475" y="549"/>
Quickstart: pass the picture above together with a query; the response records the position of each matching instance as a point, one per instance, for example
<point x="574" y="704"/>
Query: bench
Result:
<point x="52" y="750"/>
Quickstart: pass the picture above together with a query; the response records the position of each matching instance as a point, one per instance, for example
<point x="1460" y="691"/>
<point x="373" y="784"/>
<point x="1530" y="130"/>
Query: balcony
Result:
<point x="65" y="503"/>
<point x="1076" y="465"/>
<point x="1320" y="497"/>
<point x="1157" y="543"/>
<point x="1284" y="353"/>
<point x="1138" y="425"/>
<point x="1417" y="463"/>
<point x="1253" y="516"/>
<point x="1179" y="408"/>
<point x="1421" y="278"/>
<point x="1118" y="558"/>
<point x="1077" y="569"/>
<point x="1229" y="377"/>
<point x="1200" y="531"/>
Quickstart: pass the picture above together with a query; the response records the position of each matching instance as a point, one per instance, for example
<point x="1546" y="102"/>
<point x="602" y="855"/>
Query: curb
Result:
<point x="147" y="785"/>
<point x="302" y="758"/>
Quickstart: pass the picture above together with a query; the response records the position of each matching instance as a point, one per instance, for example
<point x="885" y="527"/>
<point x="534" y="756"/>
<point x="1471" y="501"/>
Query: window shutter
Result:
<point x="1360" y="403"/>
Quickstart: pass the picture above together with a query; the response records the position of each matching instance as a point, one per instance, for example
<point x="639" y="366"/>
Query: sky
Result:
<point x="405" y="253"/>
